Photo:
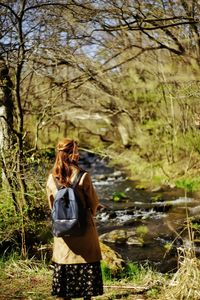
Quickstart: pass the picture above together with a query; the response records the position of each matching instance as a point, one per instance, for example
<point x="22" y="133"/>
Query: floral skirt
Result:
<point x="77" y="280"/>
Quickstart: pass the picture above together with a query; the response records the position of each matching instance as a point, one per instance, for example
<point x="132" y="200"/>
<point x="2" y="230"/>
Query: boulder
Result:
<point x="112" y="259"/>
<point x="116" y="174"/>
<point x="117" y="236"/>
<point x="101" y="177"/>
<point x="135" y="241"/>
<point x="123" y="236"/>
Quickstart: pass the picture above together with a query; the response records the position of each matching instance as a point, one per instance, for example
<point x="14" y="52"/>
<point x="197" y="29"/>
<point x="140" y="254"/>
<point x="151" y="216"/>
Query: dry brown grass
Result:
<point x="185" y="283"/>
<point x="24" y="279"/>
<point x="31" y="280"/>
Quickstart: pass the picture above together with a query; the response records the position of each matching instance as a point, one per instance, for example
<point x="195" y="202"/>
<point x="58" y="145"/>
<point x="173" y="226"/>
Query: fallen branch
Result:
<point x="122" y="287"/>
<point x="128" y="287"/>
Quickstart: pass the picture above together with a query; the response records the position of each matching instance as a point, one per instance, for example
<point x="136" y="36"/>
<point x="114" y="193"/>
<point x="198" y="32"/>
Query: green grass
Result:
<point x="24" y="279"/>
<point x="188" y="184"/>
<point x="31" y="280"/>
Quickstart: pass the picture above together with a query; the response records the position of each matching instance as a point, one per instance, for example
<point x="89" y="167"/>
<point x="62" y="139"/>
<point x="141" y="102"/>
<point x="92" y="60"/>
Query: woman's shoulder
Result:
<point x="85" y="178"/>
<point x="50" y="180"/>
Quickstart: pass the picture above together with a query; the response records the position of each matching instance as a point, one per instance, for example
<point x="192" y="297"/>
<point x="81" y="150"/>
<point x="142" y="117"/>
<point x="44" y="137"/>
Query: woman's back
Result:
<point x="75" y="255"/>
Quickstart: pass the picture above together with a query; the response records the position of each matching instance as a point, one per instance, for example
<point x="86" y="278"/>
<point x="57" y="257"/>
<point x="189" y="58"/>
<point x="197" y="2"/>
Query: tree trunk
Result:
<point x="7" y="137"/>
<point x="6" y="107"/>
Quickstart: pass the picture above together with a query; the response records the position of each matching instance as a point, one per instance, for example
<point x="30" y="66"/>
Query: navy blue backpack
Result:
<point x="69" y="216"/>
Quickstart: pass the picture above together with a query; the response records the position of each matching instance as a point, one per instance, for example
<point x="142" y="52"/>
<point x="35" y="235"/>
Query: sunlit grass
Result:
<point x="185" y="283"/>
<point x="24" y="279"/>
<point x="31" y="279"/>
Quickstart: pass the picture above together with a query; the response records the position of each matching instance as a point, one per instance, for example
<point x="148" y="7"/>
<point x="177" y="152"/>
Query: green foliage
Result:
<point x="40" y="156"/>
<point x="6" y="259"/>
<point x="130" y="271"/>
<point x="195" y="226"/>
<point x="157" y="197"/>
<point x="48" y="153"/>
<point x="10" y="221"/>
<point x="168" y="246"/>
<point x="153" y="293"/>
<point x="157" y="180"/>
<point x="33" y="218"/>
<point x="188" y="184"/>
<point x="142" y="230"/>
<point x="140" y="186"/>
<point x="165" y="141"/>
<point x="154" y="126"/>
<point x="106" y="272"/>
<point x="118" y="196"/>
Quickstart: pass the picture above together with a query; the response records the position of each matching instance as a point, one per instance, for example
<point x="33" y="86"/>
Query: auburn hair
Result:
<point x="66" y="158"/>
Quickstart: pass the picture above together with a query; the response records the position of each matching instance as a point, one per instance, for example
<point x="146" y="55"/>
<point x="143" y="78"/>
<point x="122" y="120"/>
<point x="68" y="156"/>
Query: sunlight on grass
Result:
<point x="31" y="279"/>
<point x="185" y="283"/>
<point x="24" y="279"/>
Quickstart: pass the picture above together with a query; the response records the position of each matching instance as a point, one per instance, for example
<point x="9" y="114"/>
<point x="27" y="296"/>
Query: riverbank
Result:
<point x="143" y="224"/>
<point x="138" y="213"/>
<point x="31" y="279"/>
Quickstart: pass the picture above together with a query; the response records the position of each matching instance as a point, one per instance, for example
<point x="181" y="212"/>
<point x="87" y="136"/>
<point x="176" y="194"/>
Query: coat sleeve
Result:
<point x="50" y="189"/>
<point x="91" y="198"/>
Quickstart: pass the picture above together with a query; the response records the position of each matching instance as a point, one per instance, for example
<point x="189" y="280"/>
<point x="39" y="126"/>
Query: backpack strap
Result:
<point x="56" y="183"/>
<point x="77" y="178"/>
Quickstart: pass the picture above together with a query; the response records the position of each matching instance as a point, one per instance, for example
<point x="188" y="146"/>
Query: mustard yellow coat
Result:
<point x="86" y="248"/>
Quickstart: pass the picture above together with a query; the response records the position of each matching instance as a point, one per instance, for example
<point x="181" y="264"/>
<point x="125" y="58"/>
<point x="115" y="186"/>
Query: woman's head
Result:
<point x="68" y="150"/>
<point x="67" y="156"/>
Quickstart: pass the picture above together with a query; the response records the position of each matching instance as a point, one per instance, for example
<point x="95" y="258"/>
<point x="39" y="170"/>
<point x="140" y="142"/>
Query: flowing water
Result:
<point x="145" y="225"/>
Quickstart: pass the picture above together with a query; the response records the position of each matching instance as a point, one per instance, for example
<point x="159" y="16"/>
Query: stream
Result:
<point x="143" y="225"/>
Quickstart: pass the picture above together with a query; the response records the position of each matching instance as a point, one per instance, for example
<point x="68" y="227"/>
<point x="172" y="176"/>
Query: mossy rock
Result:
<point x="111" y="258"/>
<point x="117" y="236"/>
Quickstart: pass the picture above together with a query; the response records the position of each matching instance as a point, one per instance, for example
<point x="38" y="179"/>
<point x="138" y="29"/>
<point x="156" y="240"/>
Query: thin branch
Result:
<point x="9" y="8"/>
<point x="45" y="5"/>
<point x="109" y="28"/>
<point x="178" y="52"/>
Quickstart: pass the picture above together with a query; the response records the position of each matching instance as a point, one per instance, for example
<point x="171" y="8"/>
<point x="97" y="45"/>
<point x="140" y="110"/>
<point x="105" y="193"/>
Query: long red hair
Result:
<point x="66" y="159"/>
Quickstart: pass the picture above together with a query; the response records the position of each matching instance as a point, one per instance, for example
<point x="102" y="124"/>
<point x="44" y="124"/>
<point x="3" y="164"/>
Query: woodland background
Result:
<point x="120" y="76"/>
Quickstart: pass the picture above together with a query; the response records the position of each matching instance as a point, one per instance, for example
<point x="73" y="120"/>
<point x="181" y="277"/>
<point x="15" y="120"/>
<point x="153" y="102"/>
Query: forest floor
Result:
<point x="19" y="281"/>
<point x="38" y="287"/>
<point x="31" y="280"/>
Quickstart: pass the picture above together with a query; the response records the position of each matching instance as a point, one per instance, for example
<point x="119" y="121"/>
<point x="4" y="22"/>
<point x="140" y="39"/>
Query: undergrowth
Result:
<point x="185" y="283"/>
<point x="31" y="279"/>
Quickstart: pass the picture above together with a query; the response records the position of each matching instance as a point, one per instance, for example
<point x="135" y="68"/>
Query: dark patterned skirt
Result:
<point x="77" y="280"/>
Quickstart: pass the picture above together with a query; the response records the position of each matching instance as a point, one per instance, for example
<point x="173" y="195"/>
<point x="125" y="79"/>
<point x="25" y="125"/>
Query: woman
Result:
<point x="77" y="271"/>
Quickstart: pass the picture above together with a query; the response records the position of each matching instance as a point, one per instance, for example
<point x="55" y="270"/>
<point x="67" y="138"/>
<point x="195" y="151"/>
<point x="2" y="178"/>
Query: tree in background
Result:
<point x="114" y="73"/>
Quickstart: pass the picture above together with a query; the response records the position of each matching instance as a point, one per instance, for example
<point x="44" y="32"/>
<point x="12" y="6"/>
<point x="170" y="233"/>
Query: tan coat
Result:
<point x="86" y="248"/>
